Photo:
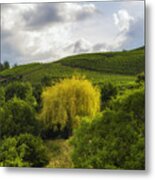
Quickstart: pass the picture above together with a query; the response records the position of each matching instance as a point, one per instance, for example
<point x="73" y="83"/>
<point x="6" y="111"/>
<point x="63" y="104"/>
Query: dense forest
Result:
<point x="83" y="111"/>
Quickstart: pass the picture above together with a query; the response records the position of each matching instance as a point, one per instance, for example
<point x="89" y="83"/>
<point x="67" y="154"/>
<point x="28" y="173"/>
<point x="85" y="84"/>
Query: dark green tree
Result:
<point x="2" y="96"/>
<point x="115" y="138"/>
<point x="16" y="117"/>
<point x="108" y="90"/>
<point x="21" y="90"/>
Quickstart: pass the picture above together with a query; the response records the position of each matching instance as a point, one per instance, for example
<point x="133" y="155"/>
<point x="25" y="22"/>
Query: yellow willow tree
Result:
<point x="66" y="102"/>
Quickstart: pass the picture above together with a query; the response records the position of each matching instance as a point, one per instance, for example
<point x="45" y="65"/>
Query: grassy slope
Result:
<point x="128" y="62"/>
<point x="119" y="67"/>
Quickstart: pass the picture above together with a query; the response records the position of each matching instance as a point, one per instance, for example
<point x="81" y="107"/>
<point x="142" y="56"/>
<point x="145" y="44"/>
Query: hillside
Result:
<point x="126" y="62"/>
<point x="116" y="66"/>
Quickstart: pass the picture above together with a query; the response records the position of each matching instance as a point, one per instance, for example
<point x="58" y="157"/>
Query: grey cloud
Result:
<point x="135" y="35"/>
<point x="137" y="29"/>
<point x="42" y="15"/>
<point x="83" y="46"/>
<point x="51" y="13"/>
<point x="79" y="46"/>
<point x="100" y="47"/>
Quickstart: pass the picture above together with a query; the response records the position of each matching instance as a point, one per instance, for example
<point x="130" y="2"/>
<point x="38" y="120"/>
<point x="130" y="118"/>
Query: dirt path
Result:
<point x="59" y="153"/>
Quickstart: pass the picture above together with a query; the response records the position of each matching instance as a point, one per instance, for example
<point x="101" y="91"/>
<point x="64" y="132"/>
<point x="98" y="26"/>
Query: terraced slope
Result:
<point x="117" y="67"/>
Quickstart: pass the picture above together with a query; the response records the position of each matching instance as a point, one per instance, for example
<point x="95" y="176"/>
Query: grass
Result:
<point x="59" y="153"/>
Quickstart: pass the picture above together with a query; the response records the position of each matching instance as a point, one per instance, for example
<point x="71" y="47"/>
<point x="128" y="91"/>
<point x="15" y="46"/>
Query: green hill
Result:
<point x="126" y="62"/>
<point x="117" y="67"/>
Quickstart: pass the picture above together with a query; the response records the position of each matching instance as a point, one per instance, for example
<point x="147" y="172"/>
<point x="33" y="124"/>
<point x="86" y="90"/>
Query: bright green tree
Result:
<point x="66" y="102"/>
<point x="24" y="150"/>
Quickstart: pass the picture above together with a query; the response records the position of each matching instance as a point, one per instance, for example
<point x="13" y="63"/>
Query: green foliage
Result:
<point x="140" y="78"/>
<point x="67" y="101"/>
<point x="132" y="101"/>
<point x="37" y="91"/>
<point x="2" y="96"/>
<point x="4" y="66"/>
<point x="114" y="139"/>
<point x="46" y="80"/>
<point x="23" y="151"/>
<point x="108" y="90"/>
<point x="20" y="90"/>
<point x="118" y="67"/>
<point x="16" y="117"/>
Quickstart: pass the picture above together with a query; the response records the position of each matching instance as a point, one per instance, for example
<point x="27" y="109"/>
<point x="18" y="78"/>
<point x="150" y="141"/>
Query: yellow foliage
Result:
<point x="69" y="100"/>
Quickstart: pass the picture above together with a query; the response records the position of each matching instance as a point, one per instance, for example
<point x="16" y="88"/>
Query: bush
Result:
<point x="16" y="117"/>
<point x="46" y="80"/>
<point x="66" y="102"/>
<point x="37" y="91"/>
<point x="23" y="151"/>
<point x="108" y="90"/>
<point x="2" y="96"/>
<point x="21" y="90"/>
<point x="4" y="66"/>
<point x="114" y="139"/>
<point x="140" y="78"/>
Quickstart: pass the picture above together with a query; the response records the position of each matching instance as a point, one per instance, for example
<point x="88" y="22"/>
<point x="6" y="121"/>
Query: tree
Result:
<point x="66" y="102"/>
<point x="2" y="96"/>
<point x="6" y="65"/>
<point x="140" y="78"/>
<point x="108" y="90"/>
<point x="46" y="80"/>
<point x="16" y="117"/>
<point x="37" y="91"/>
<point x="21" y="90"/>
<point x="24" y="150"/>
<point x="115" y="138"/>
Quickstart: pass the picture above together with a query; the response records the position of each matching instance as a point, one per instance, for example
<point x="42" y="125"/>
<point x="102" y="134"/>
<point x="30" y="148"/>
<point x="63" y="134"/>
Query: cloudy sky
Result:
<point x="48" y="31"/>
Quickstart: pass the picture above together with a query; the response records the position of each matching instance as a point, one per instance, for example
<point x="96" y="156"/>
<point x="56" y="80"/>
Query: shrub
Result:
<point x="140" y="78"/>
<point x="23" y="151"/>
<point x="108" y="90"/>
<point x="66" y="102"/>
<point x="16" y="117"/>
<point x="2" y="96"/>
<point x="37" y="91"/>
<point x="114" y="139"/>
<point x="21" y="90"/>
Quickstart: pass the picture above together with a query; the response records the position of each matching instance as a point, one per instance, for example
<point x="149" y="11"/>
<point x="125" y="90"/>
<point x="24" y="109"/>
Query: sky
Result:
<point x="46" y="32"/>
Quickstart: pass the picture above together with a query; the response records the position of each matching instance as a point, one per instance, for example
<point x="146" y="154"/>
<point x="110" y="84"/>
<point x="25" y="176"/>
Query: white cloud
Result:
<point x="74" y="11"/>
<point x="24" y="36"/>
<point x="46" y="32"/>
<point x="123" y="20"/>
